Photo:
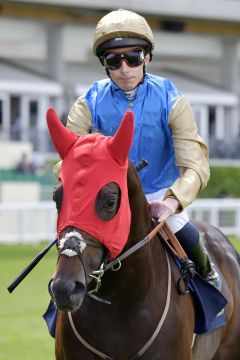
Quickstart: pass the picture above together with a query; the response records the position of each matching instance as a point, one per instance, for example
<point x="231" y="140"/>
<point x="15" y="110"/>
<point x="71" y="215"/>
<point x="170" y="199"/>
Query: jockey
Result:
<point x="165" y="132"/>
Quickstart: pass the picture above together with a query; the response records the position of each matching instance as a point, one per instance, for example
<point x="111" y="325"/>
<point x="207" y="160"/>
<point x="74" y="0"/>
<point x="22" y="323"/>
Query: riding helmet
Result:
<point x="122" y="28"/>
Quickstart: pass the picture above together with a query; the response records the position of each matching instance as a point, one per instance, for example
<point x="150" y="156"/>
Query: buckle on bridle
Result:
<point x="118" y="265"/>
<point x="97" y="276"/>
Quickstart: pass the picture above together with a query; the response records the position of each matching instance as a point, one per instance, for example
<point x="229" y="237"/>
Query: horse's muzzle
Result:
<point x="67" y="295"/>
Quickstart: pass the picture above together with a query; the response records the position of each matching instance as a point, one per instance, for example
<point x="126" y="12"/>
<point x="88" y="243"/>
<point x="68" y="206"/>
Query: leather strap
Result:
<point x="187" y="266"/>
<point x="135" y="247"/>
<point x="172" y="242"/>
<point x="144" y="348"/>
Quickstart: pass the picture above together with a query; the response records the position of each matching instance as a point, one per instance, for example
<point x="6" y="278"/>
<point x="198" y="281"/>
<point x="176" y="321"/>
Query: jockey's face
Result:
<point x="127" y="77"/>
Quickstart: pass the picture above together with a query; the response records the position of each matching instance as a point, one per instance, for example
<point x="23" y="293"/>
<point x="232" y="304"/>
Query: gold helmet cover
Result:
<point x="122" y="28"/>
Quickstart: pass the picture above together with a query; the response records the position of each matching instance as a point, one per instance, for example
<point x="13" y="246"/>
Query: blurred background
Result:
<point x="46" y="60"/>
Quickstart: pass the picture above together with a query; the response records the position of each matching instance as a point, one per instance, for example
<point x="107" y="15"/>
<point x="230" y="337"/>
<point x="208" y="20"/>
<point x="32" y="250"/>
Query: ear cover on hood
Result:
<point x="89" y="163"/>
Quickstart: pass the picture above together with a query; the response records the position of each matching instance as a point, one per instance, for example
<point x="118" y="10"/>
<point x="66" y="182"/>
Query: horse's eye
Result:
<point x="108" y="201"/>
<point x="111" y="202"/>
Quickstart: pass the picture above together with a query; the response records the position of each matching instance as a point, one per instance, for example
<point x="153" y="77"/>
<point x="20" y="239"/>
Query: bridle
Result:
<point x="72" y="244"/>
<point x="68" y="249"/>
<point x="114" y="265"/>
<point x="97" y="275"/>
<point x="144" y="348"/>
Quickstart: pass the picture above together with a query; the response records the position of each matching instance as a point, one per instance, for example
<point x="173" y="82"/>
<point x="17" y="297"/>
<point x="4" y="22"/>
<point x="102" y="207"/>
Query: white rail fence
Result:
<point x="34" y="222"/>
<point x="27" y="222"/>
<point x="222" y="213"/>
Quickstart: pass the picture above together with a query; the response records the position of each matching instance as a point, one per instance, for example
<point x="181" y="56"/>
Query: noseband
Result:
<point x="73" y="244"/>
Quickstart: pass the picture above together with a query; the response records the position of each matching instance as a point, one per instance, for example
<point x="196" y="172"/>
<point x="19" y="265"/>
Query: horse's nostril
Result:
<point x="61" y="287"/>
<point x="67" y="295"/>
<point x="79" y="289"/>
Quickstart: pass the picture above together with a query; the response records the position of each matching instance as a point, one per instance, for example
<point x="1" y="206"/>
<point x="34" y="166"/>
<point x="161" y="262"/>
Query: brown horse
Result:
<point x="137" y="312"/>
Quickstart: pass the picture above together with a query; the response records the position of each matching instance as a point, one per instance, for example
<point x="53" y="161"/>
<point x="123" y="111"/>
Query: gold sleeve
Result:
<point x="191" y="154"/>
<point x="79" y="121"/>
<point x="80" y="118"/>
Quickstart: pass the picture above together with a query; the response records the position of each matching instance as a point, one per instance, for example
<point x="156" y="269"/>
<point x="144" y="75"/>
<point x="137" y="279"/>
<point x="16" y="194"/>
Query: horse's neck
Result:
<point x="141" y="220"/>
<point x="142" y="278"/>
<point x="140" y="270"/>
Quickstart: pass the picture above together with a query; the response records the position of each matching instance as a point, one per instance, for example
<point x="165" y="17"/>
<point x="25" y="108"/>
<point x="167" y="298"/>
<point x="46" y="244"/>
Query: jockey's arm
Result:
<point x="190" y="150"/>
<point x="80" y="110"/>
<point x="191" y="154"/>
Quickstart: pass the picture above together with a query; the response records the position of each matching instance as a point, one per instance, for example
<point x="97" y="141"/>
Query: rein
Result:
<point x="144" y="348"/>
<point x="98" y="274"/>
<point x="171" y="243"/>
<point x="134" y="248"/>
<point x="168" y="238"/>
<point x="70" y="249"/>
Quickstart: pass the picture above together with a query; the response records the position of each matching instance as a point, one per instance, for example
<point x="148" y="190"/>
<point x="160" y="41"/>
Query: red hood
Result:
<point x="89" y="163"/>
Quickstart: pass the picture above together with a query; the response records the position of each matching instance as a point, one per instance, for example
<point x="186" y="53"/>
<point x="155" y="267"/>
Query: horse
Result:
<point x="116" y="299"/>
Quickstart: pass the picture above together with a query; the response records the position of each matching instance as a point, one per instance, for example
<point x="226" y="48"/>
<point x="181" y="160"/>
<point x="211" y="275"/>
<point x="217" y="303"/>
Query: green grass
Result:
<point x="236" y="242"/>
<point x="23" y="333"/>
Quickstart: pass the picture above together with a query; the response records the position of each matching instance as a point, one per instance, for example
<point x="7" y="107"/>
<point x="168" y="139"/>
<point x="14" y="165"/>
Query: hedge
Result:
<point x="224" y="182"/>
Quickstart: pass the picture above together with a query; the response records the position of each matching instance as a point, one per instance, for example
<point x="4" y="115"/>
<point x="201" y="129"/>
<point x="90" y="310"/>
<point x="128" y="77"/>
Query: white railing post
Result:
<point x="34" y="222"/>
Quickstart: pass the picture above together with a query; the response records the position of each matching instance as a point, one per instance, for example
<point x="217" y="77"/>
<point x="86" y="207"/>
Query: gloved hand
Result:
<point x="160" y="210"/>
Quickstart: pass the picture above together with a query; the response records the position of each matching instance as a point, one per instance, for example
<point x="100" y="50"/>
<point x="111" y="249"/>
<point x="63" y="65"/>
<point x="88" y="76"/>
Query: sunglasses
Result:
<point x="114" y="61"/>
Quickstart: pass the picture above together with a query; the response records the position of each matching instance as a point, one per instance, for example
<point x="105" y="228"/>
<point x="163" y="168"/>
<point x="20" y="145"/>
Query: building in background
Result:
<point x="46" y="60"/>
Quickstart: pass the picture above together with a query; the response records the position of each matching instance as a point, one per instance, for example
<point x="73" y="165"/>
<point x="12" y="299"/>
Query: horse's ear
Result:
<point x="62" y="137"/>
<point x="120" y="144"/>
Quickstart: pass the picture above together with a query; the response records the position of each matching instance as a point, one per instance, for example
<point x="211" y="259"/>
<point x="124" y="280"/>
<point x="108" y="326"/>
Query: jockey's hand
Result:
<point x="160" y="210"/>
